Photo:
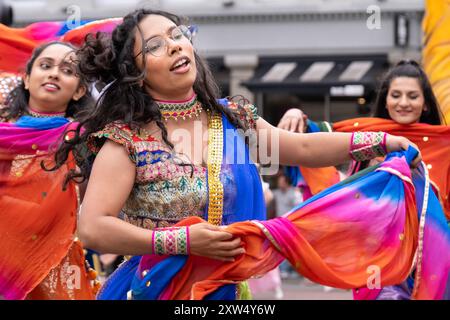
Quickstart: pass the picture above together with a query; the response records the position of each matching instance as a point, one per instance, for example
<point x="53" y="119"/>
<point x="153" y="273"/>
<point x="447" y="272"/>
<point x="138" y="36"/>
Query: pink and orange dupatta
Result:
<point x="37" y="219"/>
<point x="39" y="257"/>
<point x="433" y="142"/>
<point x="329" y="240"/>
<point x="17" y="44"/>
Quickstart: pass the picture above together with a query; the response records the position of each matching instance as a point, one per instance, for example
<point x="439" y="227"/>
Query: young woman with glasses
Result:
<point x="166" y="149"/>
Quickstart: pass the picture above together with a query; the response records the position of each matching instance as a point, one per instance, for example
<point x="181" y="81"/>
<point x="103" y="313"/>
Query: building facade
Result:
<point x="324" y="56"/>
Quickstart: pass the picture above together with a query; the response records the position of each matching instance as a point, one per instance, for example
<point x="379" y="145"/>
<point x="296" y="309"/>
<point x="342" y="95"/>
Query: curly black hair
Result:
<point x="110" y="59"/>
<point x="16" y="103"/>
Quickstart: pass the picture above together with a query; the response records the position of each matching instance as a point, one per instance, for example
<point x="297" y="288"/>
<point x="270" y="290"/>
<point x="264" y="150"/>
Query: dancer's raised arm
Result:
<point x="327" y="149"/>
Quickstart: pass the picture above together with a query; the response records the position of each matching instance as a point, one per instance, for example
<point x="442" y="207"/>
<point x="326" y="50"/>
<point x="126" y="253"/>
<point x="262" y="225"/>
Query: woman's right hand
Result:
<point x="397" y="143"/>
<point x="212" y="242"/>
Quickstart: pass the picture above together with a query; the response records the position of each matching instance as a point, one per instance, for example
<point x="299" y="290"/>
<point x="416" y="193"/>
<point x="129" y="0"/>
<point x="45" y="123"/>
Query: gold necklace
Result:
<point x="180" y="109"/>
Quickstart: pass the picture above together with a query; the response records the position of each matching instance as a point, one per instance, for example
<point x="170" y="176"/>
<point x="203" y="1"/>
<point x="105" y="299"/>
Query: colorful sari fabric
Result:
<point x="37" y="218"/>
<point x="328" y="239"/>
<point x="77" y="35"/>
<point x="430" y="272"/>
<point x="433" y="142"/>
<point x="17" y="44"/>
<point x="69" y="280"/>
<point x="234" y="194"/>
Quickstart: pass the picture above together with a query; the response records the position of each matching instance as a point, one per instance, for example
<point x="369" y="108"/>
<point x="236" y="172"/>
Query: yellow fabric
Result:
<point x="436" y="51"/>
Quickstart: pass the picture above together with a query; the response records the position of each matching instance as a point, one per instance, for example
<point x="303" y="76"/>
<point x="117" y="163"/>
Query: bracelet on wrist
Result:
<point x="367" y="145"/>
<point x="171" y="241"/>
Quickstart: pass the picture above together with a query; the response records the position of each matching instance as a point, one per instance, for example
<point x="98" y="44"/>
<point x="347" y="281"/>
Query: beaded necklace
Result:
<point x="39" y="114"/>
<point x="180" y="109"/>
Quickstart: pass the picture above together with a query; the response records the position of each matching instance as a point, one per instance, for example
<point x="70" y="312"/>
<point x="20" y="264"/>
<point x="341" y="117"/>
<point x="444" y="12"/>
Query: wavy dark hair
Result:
<point x="16" y="103"/>
<point x="410" y="69"/>
<point x="110" y="59"/>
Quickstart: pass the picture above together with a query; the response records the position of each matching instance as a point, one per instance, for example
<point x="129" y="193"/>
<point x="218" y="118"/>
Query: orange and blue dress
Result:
<point x="167" y="191"/>
<point x="41" y="258"/>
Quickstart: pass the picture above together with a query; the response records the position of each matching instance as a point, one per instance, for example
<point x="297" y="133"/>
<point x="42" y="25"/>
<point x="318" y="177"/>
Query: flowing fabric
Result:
<point x="69" y="280"/>
<point x="37" y="218"/>
<point x="328" y="239"/>
<point x="243" y="200"/>
<point x="77" y="35"/>
<point x="432" y="260"/>
<point x="433" y="142"/>
<point x="17" y="44"/>
<point x="436" y="50"/>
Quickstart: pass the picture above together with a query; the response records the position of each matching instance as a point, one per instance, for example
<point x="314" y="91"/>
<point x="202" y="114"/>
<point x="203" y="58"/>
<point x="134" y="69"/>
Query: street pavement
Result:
<point x="302" y="289"/>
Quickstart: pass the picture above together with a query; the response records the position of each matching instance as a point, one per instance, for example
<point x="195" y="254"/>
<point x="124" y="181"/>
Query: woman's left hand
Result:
<point x="396" y="143"/>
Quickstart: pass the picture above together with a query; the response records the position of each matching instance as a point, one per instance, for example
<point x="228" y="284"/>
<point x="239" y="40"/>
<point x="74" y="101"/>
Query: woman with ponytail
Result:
<point x="166" y="148"/>
<point x="406" y="106"/>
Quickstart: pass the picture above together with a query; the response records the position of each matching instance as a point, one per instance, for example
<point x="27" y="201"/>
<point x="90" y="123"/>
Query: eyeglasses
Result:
<point x="157" y="46"/>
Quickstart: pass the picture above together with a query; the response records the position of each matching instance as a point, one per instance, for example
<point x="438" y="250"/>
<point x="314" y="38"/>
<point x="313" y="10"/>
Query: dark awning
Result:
<point x="350" y="76"/>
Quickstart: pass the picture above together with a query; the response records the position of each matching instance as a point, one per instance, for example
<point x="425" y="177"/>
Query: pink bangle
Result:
<point x="351" y="142"/>
<point x="384" y="143"/>
<point x="171" y="241"/>
<point x="153" y="242"/>
<point x="367" y="145"/>
<point x="188" y="241"/>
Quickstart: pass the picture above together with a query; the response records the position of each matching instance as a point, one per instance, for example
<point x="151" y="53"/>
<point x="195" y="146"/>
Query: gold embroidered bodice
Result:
<point x="166" y="190"/>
